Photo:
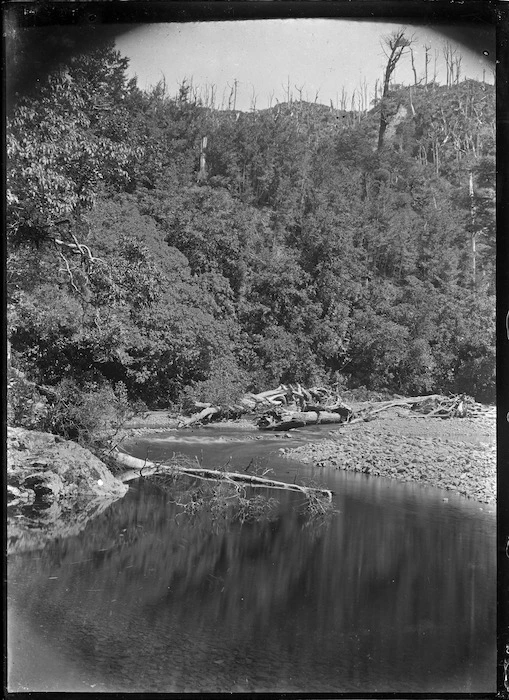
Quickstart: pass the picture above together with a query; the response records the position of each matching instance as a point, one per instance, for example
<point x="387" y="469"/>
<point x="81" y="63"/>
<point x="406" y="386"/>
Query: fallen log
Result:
<point x="141" y="468"/>
<point x="204" y="414"/>
<point x="286" y="420"/>
<point x="292" y="398"/>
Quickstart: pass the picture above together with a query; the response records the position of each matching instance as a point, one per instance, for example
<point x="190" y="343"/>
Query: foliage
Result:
<point x="27" y="407"/>
<point x="87" y="415"/>
<point x="63" y="142"/>
<point x="302" y="253"/>
<point x="91" y="415"/>
<point x="224" y="386"/>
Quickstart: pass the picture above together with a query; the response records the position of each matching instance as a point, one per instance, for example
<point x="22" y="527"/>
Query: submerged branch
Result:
<point x="141" y="467"/>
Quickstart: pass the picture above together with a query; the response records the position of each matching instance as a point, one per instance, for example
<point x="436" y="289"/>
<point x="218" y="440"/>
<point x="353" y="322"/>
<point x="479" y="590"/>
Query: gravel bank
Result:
<point x="457" y="454"/>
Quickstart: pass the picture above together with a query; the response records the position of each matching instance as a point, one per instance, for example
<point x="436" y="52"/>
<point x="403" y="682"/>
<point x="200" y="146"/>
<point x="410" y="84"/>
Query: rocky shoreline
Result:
<point x="457" y="454"/>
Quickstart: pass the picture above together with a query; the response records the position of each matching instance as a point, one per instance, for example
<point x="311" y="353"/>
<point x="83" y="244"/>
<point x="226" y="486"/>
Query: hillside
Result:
<point x="147" y="264"/>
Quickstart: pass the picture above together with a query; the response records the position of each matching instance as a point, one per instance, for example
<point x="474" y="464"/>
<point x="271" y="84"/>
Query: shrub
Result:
<point x="26" y="406"/>
<point x="476" y="376"/>
<point x="89" y="415"/>
<point x="224" y="386"/>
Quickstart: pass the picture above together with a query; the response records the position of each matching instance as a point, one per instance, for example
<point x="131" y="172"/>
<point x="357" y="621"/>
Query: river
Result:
<point x="393" y="592"/>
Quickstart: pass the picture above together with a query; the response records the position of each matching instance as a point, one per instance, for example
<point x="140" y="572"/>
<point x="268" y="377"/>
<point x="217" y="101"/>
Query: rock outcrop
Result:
<point x="54" y="487"/>
<point x="52" y="468"/>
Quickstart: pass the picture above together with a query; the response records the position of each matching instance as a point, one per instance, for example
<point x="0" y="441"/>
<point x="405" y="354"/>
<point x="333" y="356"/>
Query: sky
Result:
<point x="315" y="58"/>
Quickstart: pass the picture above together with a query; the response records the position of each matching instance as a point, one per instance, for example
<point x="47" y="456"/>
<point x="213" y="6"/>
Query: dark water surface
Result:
<point x="394" y="592"/>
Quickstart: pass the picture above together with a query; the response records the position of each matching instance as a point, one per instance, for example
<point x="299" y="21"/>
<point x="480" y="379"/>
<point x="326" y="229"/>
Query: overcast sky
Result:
<point x="317" y="55"/>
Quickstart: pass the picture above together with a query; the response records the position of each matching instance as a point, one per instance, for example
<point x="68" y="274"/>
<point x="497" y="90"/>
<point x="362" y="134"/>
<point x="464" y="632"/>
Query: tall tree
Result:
<point x="394" y="47"/>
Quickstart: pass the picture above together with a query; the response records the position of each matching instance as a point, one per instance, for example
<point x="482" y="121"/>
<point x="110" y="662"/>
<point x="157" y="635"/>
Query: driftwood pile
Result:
<point x="288" y="406"/>
<point x="433" y="406"/>
<point x="293" y="406"/>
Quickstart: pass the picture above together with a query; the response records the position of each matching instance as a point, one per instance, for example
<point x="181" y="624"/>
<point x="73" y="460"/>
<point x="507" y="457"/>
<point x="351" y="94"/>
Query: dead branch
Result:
<point x="292" y="406"/>
<point x="69" y="272"/>
<point x="319" y="402"/>
<point x="282" y="420"/>
<point x="140" y="467"/>
<point x="78" y="249"/>
<point x="430" y="406"/>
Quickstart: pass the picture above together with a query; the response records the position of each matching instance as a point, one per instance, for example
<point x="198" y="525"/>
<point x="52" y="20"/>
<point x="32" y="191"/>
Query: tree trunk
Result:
<point x="472" y="223"/>
<point x="286" y="420"/>
<point x="397" y="43"/>
<point x="205" y="414"/>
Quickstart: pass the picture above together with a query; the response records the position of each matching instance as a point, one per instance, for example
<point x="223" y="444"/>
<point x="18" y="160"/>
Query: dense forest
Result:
<point x="162" y="249"/>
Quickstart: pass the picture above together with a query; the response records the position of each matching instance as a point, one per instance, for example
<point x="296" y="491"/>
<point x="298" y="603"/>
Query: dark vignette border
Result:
<point x="100" y="20"/>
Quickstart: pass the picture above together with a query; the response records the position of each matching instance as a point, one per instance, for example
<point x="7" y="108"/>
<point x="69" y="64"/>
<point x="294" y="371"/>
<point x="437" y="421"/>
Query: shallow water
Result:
<point x="394" y="592"/>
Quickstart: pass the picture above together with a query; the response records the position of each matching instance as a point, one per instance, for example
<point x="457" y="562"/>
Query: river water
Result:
<point x="393" y="592"/>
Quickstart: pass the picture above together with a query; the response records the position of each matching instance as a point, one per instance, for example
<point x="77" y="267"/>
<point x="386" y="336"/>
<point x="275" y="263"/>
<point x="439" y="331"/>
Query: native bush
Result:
<point x="224" y="386"/>
<point x="26" y="406"/>
<point x="90" y="415"/>
<point x="302" y="252"/>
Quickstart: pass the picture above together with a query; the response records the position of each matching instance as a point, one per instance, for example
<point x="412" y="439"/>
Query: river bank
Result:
<point x="454" y="454"/>
<point x="457" y="454"/>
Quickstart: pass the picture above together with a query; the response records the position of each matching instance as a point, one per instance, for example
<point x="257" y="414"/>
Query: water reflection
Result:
<point x="377" y="598"/>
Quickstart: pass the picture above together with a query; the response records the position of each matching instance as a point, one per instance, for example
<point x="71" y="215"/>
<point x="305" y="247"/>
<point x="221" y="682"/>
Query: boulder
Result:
<point x="54" y="488"/>
<point x="45" y="468"/>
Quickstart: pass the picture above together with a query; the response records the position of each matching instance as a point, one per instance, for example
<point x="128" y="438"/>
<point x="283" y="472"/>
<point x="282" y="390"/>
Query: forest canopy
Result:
<point x="161" y="248"/>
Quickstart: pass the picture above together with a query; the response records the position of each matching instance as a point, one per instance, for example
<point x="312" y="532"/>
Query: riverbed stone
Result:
<point x="456" y="454"/>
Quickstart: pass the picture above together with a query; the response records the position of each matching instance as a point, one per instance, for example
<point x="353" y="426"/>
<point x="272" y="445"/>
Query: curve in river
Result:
<point x="393" y="593"/>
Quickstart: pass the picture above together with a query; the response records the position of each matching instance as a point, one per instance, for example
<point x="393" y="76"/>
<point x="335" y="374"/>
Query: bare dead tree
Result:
<point x="365" y="103"/>
<point x="474" y="232"/>
<point x="375" y="97"/>
<point x="254" y="98"/>
<point x="202" y="174"/>
<point x="457" y="68"/>
<point x="449" y="56"/>
<point x="427" y="60"/>
<point x="235" y="85"/>
<point x="412" y="59"/>
<point x="394" y="47"/>
<point x="411" y="102"/>
<point x="230" y="96"/>
<point x="344" y="100"/>
<point x="299" y="90"/>
<point x="286" y="88"/>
